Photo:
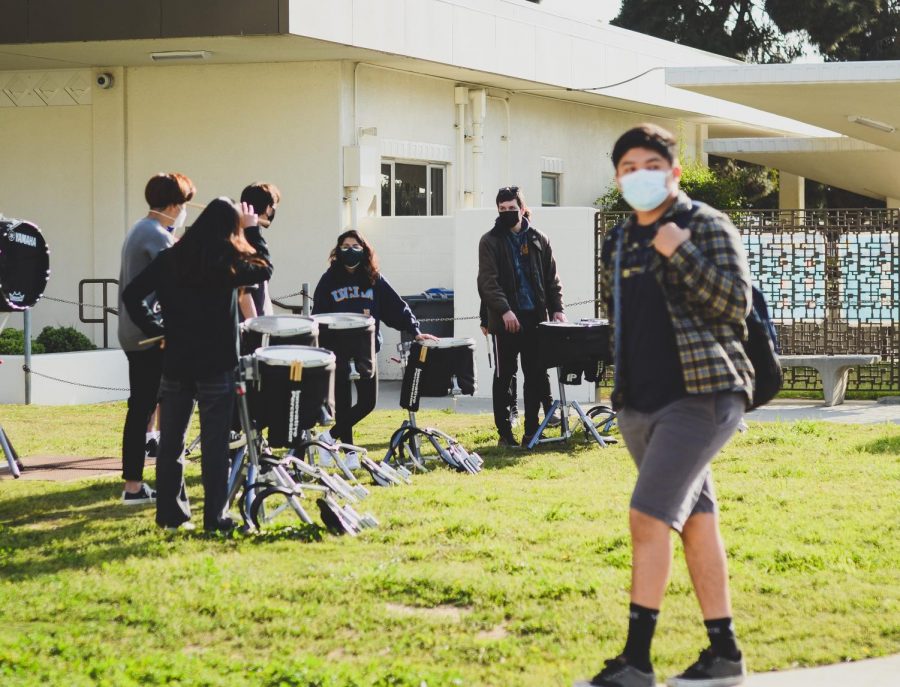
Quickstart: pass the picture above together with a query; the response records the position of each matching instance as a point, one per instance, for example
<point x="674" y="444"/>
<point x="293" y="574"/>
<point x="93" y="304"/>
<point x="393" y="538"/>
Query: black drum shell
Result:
<point x="574" y="346"/>
<point x="431" y="375"/>
<point x="357" y="343"/>
<point x="274" y="402"/>
<point x="251" y="340"/>
<point x="24" y="265"/>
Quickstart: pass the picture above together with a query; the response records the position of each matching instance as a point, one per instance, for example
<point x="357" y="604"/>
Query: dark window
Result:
<point x="410" y="189"/>
<point x="437" y="190"/>
<point x="386" y="190"/>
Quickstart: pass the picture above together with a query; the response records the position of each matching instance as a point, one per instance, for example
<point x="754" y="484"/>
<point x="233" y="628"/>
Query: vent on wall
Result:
<point x="180" y="55"/>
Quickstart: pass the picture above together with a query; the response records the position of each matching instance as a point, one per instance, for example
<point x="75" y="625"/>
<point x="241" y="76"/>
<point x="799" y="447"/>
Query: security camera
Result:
<point x="105" y="80"/>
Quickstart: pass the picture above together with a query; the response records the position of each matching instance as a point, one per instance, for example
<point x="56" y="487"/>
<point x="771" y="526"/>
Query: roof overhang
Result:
<point x="860" y="167"/>
<point x="857" y="99"/>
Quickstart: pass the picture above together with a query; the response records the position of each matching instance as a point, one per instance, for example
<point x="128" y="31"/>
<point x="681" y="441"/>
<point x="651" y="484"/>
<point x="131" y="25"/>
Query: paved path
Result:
<point x="878" y="672"/>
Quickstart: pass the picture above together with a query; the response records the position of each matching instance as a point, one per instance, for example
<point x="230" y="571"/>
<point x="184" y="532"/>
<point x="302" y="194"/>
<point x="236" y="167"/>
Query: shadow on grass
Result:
<point x="885" y="445"/>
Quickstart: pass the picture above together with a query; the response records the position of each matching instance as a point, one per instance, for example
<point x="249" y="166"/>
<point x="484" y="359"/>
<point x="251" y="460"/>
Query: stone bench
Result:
<point x="834" y="370"/>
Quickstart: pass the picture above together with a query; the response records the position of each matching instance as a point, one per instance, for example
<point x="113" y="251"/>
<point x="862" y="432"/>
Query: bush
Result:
<point x="12" y="342"/>
<point x="63" y="340"/>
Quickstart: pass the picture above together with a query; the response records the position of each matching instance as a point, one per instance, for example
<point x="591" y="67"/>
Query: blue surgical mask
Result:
<point x="645" y="189"/>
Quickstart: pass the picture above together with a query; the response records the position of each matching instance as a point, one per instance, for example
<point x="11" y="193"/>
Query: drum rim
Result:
<point x="463" y="342"/>
<point x="344" y="320"/>
<point x="6" y="292"/>
<point x="327" y="357"/>
<point x="311" y="326"/>
<point x="578" y="323"/>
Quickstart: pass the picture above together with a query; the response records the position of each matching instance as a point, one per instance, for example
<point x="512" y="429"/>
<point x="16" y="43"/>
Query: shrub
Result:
<point x="63" y="340"/>
<point x="12" y="342"/>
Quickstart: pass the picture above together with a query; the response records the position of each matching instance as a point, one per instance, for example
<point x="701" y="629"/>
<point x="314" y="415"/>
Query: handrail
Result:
<point x="104" y="320"/>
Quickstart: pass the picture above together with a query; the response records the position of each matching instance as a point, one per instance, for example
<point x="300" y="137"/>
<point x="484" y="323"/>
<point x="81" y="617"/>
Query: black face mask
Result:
<point x="350" y="257"/>
<point x="271" y="216"/>
<point x="509" y="218"/>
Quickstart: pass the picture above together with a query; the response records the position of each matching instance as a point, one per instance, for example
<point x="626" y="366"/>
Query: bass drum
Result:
<point x="24" y="265"/>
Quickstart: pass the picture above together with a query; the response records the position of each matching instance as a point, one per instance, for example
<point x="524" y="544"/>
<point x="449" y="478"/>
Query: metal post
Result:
<point x="27" y="357"/>
<point x="306" y="299"/>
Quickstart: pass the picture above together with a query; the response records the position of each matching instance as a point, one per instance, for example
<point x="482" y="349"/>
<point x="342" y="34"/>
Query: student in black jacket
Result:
<point x="195" y="283"/>
<point x="353" y="283"/>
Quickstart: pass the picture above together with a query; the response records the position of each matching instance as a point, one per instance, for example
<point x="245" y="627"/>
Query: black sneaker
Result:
<point x="151" y="447"/>
<point x="527" y="439"/>
<point x="507" y="441"/>
<point x="225" y="525"/>
<point x="143" y="496"/>
<point x="618" y="673"/>
<point x="711" y="670"/>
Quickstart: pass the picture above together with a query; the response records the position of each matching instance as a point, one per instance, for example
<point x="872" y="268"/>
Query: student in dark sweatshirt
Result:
<point x="354" y="284"/>
<point x="195" y="284"/>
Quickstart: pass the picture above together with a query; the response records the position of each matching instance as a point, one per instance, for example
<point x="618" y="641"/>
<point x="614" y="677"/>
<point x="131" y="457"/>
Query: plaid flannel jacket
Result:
<point x="706" y="283"/>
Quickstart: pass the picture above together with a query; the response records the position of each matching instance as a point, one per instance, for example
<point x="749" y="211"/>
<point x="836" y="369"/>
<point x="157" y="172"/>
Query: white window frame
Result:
<point x="557" y="181"/>
<point x="420" y="163"/>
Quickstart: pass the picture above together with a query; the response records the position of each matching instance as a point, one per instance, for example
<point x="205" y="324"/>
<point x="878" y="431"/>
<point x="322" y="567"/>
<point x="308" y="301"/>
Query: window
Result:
<point x="411" y="189"/>
<point x="549" y="190"/>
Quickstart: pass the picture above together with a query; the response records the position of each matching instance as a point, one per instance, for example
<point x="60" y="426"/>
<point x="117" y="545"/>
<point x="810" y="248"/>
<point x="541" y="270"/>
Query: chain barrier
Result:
<point x="113" y="311"/>
<point x="478" y="317"/>
<point x="66" y="381"/>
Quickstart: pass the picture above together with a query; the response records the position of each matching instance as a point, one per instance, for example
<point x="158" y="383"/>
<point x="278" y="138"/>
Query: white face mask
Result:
<point x="645" y="189"/>
<point x="177" y="222"/>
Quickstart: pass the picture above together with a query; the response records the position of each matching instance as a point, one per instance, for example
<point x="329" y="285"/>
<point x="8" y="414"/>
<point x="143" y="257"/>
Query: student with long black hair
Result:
<point x="195" y="284"/>
<point x="353" y="283"/>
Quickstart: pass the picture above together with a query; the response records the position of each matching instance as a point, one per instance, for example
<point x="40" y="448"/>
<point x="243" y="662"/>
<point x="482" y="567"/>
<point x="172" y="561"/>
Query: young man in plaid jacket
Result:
<point x="677" y="286"/>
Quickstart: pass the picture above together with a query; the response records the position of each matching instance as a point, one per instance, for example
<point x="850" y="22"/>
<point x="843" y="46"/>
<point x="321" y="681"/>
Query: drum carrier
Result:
<point x="445" y="367"/>
<point x="576" y="349"/>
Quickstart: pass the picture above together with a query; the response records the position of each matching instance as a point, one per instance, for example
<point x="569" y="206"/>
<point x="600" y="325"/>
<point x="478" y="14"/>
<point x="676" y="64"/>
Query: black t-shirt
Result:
<point x="652" y="374"/>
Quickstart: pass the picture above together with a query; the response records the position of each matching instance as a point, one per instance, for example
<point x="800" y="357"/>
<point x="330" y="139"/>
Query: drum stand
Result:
<point x="260" y="478"/>
<point x="566" y="431"/>
<point x="12" y="457"/>
<point x="405" y="448"/>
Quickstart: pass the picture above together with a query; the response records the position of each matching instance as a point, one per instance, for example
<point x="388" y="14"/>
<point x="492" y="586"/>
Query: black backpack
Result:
<point x="761" y="345"/>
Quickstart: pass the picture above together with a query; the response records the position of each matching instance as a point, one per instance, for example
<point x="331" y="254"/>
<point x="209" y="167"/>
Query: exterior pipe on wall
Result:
<point x="507" y="137"/>
<point x="460" y="98"/>
<point x="479" y="112"/>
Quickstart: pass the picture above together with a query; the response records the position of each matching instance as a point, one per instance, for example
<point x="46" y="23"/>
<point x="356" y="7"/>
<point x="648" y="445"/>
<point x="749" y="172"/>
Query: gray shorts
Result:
<point x="673" y="447"/>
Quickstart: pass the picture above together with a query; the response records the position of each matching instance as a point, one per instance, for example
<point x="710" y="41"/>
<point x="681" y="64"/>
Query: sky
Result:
<point x="590" y="10"/>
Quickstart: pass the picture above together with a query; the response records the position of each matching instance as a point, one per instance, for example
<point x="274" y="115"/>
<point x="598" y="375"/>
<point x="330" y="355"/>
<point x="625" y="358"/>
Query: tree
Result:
<point x="772" y="30"/>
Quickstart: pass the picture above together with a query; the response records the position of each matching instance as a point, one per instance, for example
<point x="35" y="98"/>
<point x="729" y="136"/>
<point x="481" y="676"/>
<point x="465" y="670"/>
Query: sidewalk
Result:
<point x="786" y="410"/>
<point x="877" y="672"/>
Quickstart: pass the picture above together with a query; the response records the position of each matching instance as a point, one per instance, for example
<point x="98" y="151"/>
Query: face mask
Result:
<point x="177" y="222"/>
<point x="350" y="257"/>
<point x="271" y="216"/>
<point x="645" y="189"/>
<point x="509" y="218"/>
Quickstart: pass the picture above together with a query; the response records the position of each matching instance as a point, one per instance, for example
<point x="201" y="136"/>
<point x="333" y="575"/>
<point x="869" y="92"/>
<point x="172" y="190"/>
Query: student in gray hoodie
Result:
<point x="167" y="195"/>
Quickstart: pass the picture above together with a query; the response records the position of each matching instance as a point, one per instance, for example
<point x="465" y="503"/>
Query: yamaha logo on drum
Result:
<point x="24" y="239"/>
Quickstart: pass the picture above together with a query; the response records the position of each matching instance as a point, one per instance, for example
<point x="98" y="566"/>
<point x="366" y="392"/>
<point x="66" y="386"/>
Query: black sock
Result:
<point x="641" y="626"/>
<point x="722" y="639"/>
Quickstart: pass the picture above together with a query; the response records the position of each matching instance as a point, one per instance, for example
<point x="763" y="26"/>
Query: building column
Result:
<point x="702" y="135"/>
<point x="791" y="192"/>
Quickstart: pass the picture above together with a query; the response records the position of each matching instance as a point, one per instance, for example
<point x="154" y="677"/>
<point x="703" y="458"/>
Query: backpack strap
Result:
<point x="683" y="218"/>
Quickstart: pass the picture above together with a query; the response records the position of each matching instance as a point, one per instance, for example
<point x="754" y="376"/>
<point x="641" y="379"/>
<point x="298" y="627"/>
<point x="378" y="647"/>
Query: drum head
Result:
<point x="593" y="322"/>
<point x="24" y="265"/>
<point x="282" y="325"/>
<point x="345" y="320"/>
<point x="449" y="342"/>
<point x="288" y="355"/>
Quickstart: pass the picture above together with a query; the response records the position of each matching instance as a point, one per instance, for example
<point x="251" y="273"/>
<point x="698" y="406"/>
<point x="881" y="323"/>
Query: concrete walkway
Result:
<point x="877" y="672"/>
<point x="785" y="410"/>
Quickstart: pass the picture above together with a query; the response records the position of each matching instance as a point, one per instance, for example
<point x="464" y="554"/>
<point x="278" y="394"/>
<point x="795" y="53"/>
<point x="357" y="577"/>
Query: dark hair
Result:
<point x="649" y="136"/>
<point x="508" y="193"/>
<point x="370" y="259"/>
<point x="261" y="194"/>
<point x="165" y="189"/>
<point x="212" y="247"/>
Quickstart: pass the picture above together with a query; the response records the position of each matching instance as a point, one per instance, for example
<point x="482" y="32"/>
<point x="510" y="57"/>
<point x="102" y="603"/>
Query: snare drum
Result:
<point x="280" y="330"/>
<point x="434" y="366"/>
<point x="295" y="390"/>
<point x="351" y="336"/>
<point x="24" y="265"/>
<point x="577" y="347"/>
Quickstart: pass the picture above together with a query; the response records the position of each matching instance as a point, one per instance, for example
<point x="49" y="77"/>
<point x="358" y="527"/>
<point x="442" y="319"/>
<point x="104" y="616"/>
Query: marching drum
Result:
<point x="438" y="368"/>
<point x="295" y="390"/>
<point x="580" y="347"/>
<point x="351" y="336"/>
<point x="280" y="330"/>
<point x="24" y="265"/>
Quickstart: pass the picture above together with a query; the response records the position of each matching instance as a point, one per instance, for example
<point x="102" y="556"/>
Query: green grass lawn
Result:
<point x="516" y="576"/>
